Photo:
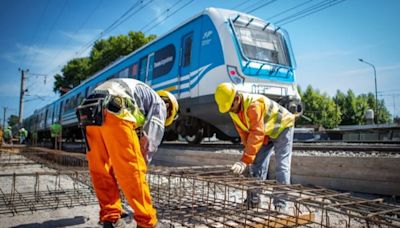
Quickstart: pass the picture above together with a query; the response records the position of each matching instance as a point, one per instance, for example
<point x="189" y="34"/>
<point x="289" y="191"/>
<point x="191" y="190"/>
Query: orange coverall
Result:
<point x="115" y="155"/>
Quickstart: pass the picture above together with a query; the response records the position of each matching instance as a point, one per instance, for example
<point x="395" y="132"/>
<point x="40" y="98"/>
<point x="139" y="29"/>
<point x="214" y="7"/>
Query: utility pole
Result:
<point x="394" y="105"/>
<point x="22" y="93"/>
<point x="4" y="117"/>
<point x="376" y="90"/>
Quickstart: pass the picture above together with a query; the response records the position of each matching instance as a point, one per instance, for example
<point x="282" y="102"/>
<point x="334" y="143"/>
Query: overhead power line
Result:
<point x="52" y="27"/>
<point x="255" y="4"/>
<point x="168" y="16"/>
<point x="109" y="28"/>
<point x="308" y="11"/>
<point x="113" y="25"/>
<point x="33" y="40"/>
<point x="76" y="31"/>
<point x="133" y="13"/>
<point x="260" y="6"/>
<point x="240" y="4"/>
<point x="288" y="10"/>
<point x="156" y="20"/>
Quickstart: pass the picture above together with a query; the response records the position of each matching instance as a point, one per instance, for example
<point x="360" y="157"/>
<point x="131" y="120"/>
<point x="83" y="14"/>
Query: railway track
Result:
<point x="380" y="147"/>
<point x="354" y="147"/>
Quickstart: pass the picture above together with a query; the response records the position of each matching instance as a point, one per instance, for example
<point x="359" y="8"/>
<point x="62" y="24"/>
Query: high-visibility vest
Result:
<point x="276" y="117"/>
<point x="130" y="111"/>
<point x="55" y="130"/>
<point x="122" y="90"/>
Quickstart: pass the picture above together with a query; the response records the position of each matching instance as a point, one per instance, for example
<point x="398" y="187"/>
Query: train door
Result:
<point x="143" y="69"/>
<point x="185" y="62"/>
<point x="150" y="66"/>
<point x="56" y="112"/>
<point x="60" y="113"/>
<point x="45" y="117"/>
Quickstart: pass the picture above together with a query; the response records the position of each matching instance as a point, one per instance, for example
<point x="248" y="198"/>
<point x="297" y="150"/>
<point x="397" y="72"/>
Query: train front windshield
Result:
<point x="262" y="45"/>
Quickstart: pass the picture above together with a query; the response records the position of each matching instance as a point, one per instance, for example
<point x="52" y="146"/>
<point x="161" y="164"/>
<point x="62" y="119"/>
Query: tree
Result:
<point x="103" y="53"/>
<point x="107" y="51"/>
<point x="13" y="120"/>
<point x="384" y="114"/>
<point x="354" y="107"/>
<point x="320" y="108"/>
<point x="74" y="73"/>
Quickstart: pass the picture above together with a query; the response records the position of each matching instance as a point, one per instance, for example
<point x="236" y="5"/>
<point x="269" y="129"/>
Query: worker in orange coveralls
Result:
<point x="111" y="115"/>
<point x="258" y="118"/>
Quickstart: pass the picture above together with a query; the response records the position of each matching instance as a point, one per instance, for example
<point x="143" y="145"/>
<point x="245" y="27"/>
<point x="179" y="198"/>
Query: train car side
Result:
<point x="190" y="61"/>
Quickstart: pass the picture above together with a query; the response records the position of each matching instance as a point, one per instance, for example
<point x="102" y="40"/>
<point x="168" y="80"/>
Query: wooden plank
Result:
<point x="286" y="221"/>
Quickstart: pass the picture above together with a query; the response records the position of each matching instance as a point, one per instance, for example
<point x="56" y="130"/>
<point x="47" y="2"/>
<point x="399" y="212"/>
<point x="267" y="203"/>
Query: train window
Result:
<point x="87" y="92"/>
<point x="133" y="70"/>
<point x="150" y="66"/>
<point x="264" y="45"/>
<point x="90" y="90"/>
<point x="123" y="73"/>
<point x="66" y="105"/>
<point x="79" y="99"/>
<point x="62" y="104"/>
<point x="142" y="69"/>
<point x="76" y="100"/>
<point x="187" y="50"/>
<point x="163" y="60"/>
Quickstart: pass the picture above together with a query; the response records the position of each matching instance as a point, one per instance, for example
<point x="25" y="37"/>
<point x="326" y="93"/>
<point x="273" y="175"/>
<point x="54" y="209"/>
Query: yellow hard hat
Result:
<point x="224" y="96"/>
<point x="174" y="110"/>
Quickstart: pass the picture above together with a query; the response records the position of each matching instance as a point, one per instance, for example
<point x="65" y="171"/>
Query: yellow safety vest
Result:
<point x="276" y="117"/>
<point x="131" y="112"/>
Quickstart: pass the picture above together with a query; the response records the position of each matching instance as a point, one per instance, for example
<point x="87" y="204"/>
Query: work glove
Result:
<point x="238" y="167"/>
<point x="144" y="147"/>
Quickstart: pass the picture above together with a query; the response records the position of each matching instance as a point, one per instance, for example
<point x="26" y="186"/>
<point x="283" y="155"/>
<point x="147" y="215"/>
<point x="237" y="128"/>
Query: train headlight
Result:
<point x="234" y="75"/>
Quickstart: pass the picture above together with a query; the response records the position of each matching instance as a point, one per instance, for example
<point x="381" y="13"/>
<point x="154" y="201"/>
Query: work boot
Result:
<point x="127" y="216"/>
<point x="281" y="209"/>
<point x="120" y="223"/>
<point x="252" y="203"/>
<point x="162" y="225"/>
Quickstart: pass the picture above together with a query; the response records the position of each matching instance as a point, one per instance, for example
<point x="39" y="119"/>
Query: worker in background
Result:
<point x="1" y="135"/>
<point x="55" y="133"/>
<point x="114" y="150"/>
<point x="8" y="135"/>
<point x="258" y="118"/>
<point x="23" y="133"/>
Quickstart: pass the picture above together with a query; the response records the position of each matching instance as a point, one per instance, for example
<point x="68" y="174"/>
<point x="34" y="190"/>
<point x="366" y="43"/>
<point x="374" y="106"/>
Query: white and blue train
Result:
<point x="214" y="46"/>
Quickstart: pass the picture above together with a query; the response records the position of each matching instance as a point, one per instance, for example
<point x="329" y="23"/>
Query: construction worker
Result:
<point x="8" y="135"/>
<point x="258" y="118"/>
<point x="1" y="135"/>
<point x="23" y="133"/>
<point x="55" y="133"/>
<point x="114" y="150"/>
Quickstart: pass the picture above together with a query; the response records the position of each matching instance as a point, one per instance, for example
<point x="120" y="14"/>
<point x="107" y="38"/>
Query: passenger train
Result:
<point x="214" y="46"/>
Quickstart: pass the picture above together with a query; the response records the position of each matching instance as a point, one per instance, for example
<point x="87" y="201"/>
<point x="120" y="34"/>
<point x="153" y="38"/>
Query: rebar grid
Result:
<point x="25" y="192"/>
<point x="212" y="196"/>
<point x="57" y="160"/>
<point x="208" y="196"/>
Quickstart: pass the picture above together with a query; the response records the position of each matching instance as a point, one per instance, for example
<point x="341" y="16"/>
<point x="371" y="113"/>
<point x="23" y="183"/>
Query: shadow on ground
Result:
<point x="77" y="220"/>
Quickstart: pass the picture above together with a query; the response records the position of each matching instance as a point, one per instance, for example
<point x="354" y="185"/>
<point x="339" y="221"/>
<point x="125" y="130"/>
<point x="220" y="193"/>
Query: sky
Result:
<point x="42" y="35"/>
